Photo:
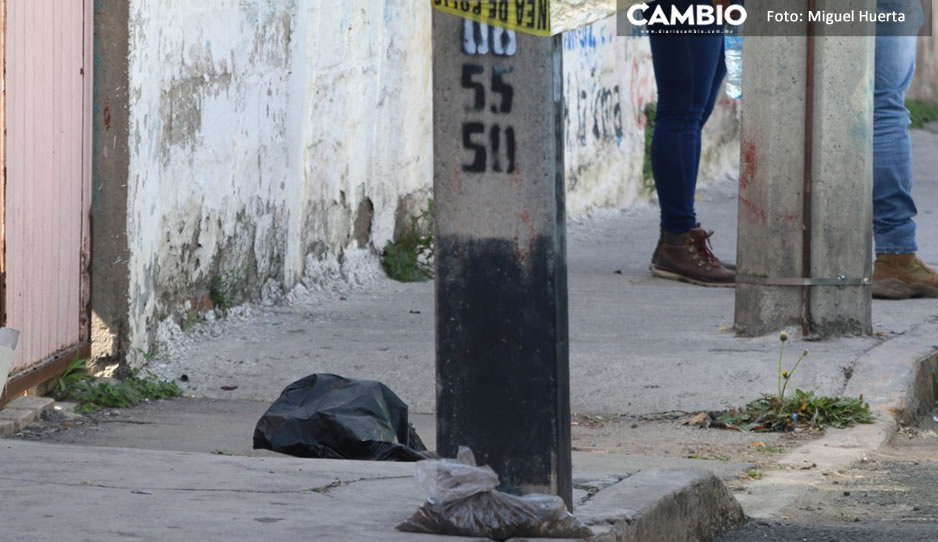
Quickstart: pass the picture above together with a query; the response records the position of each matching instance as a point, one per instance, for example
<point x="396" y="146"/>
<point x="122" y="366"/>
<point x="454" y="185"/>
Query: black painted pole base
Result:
<point x="502" y="361"/>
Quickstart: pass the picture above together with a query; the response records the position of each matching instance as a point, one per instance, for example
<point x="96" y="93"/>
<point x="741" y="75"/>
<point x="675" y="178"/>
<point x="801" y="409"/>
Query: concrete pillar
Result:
<point x="501" y="288"/>
<point x="804" y="251"/>
<point x="110" y="271"/>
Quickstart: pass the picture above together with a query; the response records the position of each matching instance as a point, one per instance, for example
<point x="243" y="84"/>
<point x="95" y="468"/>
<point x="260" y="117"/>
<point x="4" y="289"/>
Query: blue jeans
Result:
<point x="689" y="69"/>
<point x="893" y="206"/>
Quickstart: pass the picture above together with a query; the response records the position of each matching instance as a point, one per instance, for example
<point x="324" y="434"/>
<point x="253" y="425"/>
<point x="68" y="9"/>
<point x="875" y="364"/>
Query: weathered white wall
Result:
<point x="259" y="128"/>
<point x="608" y="80"/>
<point x="265" y="133"/>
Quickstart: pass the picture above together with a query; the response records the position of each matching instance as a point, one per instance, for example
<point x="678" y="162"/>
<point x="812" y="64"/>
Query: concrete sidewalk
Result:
<point x="638" y="345"/>
<point x="641" y="349"/>
<point x="66" y="493"/>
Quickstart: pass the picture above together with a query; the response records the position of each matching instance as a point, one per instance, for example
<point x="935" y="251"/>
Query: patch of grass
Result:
<point x="79" y="385"/>
<point x="717" y="457"/>
<point x="218" y="293"/>
<point x="192" y="318"/>
<point x="76" y="375"/>
<point x="324" y="490"/>
<point x="921" y="112"/>
<point x="771" y="449"/>
<point x="804" y="409"/>
<point x="648" y="177"/>
<point x="590" y="490"/>
<point x="755" y="474"/>
<point x="223" y="290"/>
<point x="410" y="259"/>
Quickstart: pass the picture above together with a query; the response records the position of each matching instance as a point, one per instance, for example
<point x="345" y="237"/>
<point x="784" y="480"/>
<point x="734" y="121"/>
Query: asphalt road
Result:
<point x="884" y="531"/>
<point x="891" y="496"/>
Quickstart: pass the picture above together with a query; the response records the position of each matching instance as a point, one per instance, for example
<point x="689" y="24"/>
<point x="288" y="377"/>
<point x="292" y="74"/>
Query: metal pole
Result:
<point x="806" y="199"/>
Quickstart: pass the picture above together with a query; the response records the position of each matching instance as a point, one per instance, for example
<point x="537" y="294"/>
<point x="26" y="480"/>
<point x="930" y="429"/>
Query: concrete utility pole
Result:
<point x="501" y="286"/>
<point x="804" y="251"/>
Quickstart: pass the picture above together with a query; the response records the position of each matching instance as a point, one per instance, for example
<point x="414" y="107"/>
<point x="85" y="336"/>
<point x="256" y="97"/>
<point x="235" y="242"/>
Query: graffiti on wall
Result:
<point x="642" y="88"/>
<point x="602" y="98"/>
<point x="592" y="112"/>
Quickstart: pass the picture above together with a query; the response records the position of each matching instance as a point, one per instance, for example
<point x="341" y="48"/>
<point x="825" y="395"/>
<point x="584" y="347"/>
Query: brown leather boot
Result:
<point x="903" y="276"/>
<point x="654" y="255"/>
<point x="687" y="257"/>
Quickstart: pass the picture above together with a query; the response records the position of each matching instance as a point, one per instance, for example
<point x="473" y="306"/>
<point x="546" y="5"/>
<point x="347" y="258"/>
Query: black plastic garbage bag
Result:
<point x="462" y="501"/>
<point x="328" y="416"/>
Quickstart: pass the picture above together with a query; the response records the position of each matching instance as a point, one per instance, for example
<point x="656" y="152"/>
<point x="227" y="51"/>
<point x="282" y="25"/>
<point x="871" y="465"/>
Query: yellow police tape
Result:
<point x="527" y="16"/>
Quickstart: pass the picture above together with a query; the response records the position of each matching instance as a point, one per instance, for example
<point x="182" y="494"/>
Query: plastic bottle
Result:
<point x="733" y="51"/>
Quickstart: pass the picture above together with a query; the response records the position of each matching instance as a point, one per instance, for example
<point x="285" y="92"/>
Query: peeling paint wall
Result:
<point x="277" y="145"/>
<point x="270" y="141"/>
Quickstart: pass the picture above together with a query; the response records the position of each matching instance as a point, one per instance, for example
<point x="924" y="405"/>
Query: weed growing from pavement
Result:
<point x="755" y="474"/>
<point x="718" y="457"/>
<point x="590" y="490"/>
<point x="410" y="259"/>
<point x="777" y="413"/>
<point x="75" y="376"/>
<point x="79" y="385"/>
<point x="770" y="449"/>
<point x="786" y="375"/>
<point x="324" y="490"/>
<point x="218" y="292"/>
<point x="223" y="288"/>
<point x="192" y="318"/>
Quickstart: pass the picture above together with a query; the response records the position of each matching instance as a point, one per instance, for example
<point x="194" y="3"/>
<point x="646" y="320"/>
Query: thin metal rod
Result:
<point x="806" y="198"/>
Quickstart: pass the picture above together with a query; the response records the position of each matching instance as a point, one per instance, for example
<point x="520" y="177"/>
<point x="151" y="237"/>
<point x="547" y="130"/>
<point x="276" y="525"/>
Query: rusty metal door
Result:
<point x="46" y="180"/>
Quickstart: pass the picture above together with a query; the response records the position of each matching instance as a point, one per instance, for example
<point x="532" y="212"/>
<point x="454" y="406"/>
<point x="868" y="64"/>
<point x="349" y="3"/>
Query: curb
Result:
<point x="663" y="505"/>
<point x="22" y="411"/>
<point x="895" y="377"/>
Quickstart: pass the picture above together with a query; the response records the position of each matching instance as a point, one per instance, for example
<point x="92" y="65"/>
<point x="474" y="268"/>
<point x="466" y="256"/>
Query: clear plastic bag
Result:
<point x="462" y="501"/>
<point x="446" y="480"/>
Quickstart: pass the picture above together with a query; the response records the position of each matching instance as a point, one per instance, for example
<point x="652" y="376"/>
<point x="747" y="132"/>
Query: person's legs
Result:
<point x="893" y="207"/>
<point x="897" y="272"/>
<point x="689" y="70"/>
<point x="715" y="88"/>
<point x="686" y="66"/>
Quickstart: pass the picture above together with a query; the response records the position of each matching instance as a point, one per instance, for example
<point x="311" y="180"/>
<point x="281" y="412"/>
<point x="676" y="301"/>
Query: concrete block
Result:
<point x="31" y="402"/>
<point x="7" y="428"/>
<point x="20" y="418"/>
